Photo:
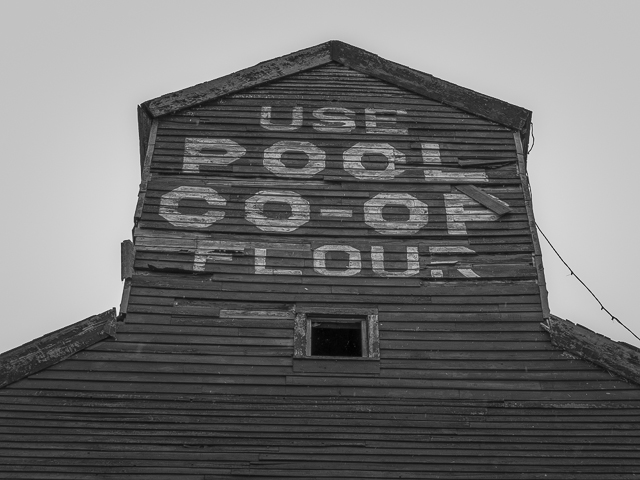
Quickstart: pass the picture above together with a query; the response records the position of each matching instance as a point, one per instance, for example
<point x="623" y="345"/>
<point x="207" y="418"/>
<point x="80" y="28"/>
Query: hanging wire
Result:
<point x="602" y="307"/>
<point x="533" y="140"/>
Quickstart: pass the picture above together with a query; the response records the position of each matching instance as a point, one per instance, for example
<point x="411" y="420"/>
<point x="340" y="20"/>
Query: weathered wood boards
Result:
<point x="492" y="203"/>
<point x="122" y="435"/>
<point x="263" y="72"/>
<point x="357" y="59"/>
<point x="332" y="187"/>
<point x="341" y="185"/>
<point x="327" y="193"/>
<point x="618" y="358"/>
<point x="127" y="254"/>
<point x="55" y="347"/>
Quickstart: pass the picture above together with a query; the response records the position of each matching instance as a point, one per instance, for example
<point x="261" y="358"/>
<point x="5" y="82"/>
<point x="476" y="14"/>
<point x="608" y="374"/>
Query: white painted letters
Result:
<point x="418" y="214"/>
<point x="460" y="208"/>
<point x="214" y="251"/>
<point x="262" y="269"/>
<point x="170" y="202"/>
<point x="336" y="212"/>
<point x="296" y="120"/>
<point x="300" y="211"/>
<point x="372" y="117"/>
<point x="354" y="264"/>
<point x="206" y="151"/>
<point x="431" y="157"/>
<point x="332" y="121"/>
<point x="353" y="161"/>
<point x="468" y="272"/>
<point x="377" y="262"/>
<point x="273" y="159"/>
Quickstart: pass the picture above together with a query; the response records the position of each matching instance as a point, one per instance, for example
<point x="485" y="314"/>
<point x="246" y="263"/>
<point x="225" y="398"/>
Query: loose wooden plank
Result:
<point x="493" y="203"/>
<point x="483" y="162"/>
<point x="127" y="255"/>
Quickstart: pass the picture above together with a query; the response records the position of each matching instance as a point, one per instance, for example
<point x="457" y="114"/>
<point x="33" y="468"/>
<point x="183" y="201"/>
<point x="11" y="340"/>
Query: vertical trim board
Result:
<point x="146" y="171"/>
<point x="528" y="200"/>
<point x="144" y="127"/>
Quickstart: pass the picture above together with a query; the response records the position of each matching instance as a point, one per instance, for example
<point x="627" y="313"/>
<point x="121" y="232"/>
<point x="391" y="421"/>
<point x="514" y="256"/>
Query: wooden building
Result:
<point x="334" y="274"/>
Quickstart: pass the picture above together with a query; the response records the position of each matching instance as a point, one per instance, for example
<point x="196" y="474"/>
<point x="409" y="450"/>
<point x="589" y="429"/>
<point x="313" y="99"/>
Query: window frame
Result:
<point x="364" y="333"/>
<point x="369" y="331"/>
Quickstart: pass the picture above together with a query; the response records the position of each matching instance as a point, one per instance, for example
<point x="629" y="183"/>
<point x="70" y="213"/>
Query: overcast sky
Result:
<point x="73" y="73"/>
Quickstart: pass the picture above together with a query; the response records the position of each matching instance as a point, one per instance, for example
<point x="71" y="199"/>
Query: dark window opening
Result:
<point x="337" y="338"/>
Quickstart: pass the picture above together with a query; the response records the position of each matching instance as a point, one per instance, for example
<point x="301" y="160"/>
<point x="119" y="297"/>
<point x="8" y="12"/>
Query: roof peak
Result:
<point x="353" y="57"/>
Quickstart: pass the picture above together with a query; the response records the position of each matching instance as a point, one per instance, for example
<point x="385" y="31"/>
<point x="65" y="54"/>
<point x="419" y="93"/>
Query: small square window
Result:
<point x="337" y="337"/>
<point x="337" y="333"/>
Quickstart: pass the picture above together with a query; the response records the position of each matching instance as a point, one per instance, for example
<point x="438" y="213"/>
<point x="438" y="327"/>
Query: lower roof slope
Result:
<point x="173" y="399"/>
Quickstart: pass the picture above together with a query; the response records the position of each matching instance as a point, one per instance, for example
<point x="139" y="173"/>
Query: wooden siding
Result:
<point x="201" y="383"/>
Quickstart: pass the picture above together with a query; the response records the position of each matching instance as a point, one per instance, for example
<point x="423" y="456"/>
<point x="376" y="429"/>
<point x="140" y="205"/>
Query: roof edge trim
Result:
<point x="246" y="78"/>
<point x="493" y="109"/>
<point x="54" y="347"/>
<point x="432" y="87"/>
<point x="616" y="357"/>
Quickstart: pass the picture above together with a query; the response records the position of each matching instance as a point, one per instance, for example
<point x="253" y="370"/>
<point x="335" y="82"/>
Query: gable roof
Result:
<point x="54" y="347"/>
<point x="424" y="84"/>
